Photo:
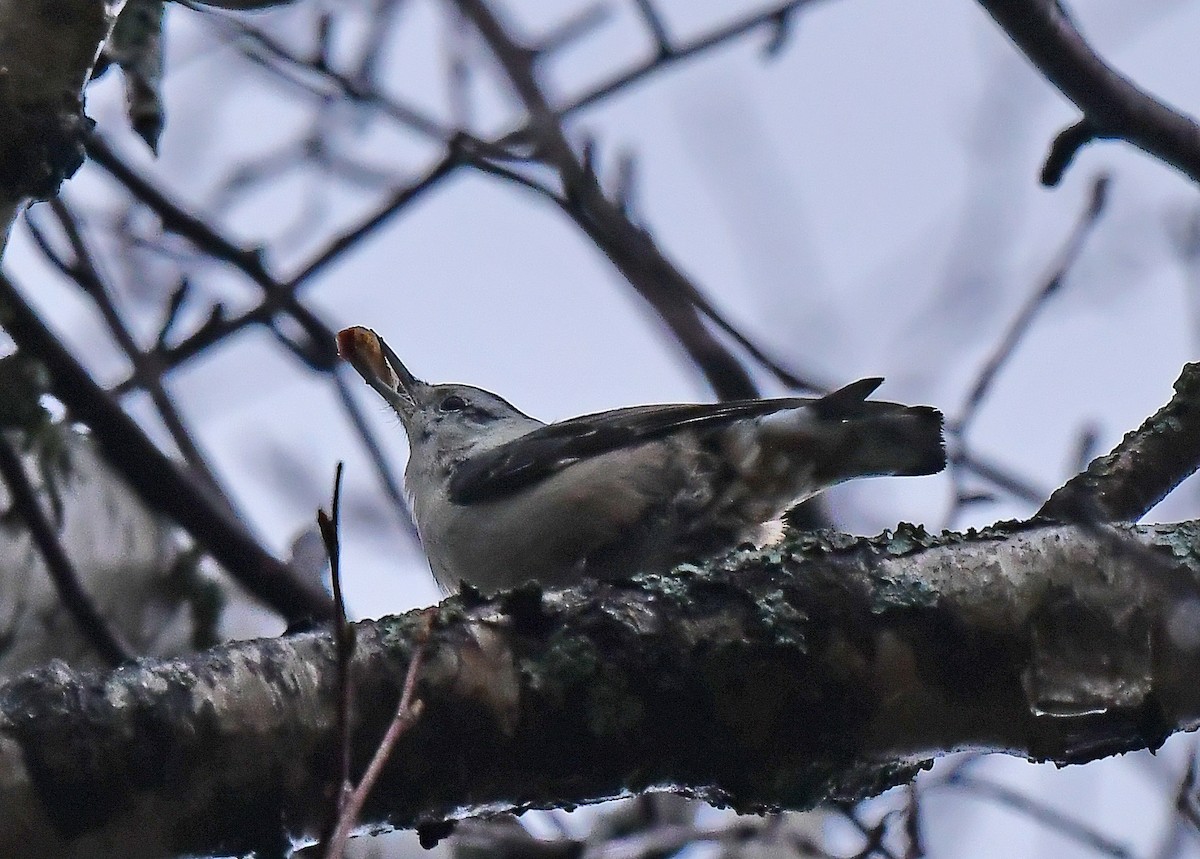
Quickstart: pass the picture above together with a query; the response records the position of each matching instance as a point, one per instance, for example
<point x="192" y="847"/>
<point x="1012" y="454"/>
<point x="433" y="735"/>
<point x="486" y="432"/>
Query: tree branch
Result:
<point x="46" y="56"/>
<point x="1113" y="106"/>
<point x="158" y="481"/>
<point x="634" y="253"/>
<point x="1122" y="486"/>
<point x="95" y="628"/>
<point x="826" y="666"/>
<point x="317" y="350"/>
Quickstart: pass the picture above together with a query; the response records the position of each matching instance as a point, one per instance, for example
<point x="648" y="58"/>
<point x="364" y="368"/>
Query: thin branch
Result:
<point x="157" y="480"/>
<point x="367" y="66"/>
<point x="1113" y="106"/>
<point x="278" y="299"/>
<point x="105" y="640"/>
<point x="1021" y="802"/>
<point x="86" y="273"/>
<point x="666" y="840"/>
<point x="356" y="88"/>
<point x="491" y="168"/>
<point x="714" y="315"/>
<point x="1185" y="795"/>
<point x="1063" y="149"/>
<point x="873" y="834"/>
<point x="998" y="475"/>
<point x="767" y="19"/>
<point x="407" y="713"/>
<point x="914" y="847"/>
<point x="400" y="199"/>
<point x="1033" y="306"/>
<point x="319" y="351"/>
<point x="579" y="26"/>
<point x="343" y="639"/>
<point x="458" y="72"/>
<point x="656" y="26"/>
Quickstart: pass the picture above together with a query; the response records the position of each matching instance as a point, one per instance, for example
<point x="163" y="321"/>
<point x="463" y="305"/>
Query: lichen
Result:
<point x="907" y="539"/>
<point x="890" y="593"/>
<point x="1181" y="539"/>
<point x="800" y="546"/>
<point x="566" y="664"/>
<point x="611" y="709"/>
<point x="782" y="620"/>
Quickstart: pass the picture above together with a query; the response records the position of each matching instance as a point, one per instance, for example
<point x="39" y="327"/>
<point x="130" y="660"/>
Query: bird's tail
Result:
<point x="864" y="438"/>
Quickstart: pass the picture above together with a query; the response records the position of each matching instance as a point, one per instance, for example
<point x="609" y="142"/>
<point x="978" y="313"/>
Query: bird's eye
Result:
<point x="453" y="403"/>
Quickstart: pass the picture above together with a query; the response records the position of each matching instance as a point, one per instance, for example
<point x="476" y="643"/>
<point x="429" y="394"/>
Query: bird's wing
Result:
<point x="549" y="449"/>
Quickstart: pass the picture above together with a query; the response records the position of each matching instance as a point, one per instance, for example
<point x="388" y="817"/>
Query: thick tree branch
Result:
<point x="827" y="666"/>
<point x="1122" y="486"/>
<point x="47" y="51"/>
<point x="1113" y="106"/>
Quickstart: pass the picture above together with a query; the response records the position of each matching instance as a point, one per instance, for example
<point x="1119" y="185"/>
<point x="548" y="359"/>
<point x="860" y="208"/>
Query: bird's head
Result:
<point x="445" y="422"/>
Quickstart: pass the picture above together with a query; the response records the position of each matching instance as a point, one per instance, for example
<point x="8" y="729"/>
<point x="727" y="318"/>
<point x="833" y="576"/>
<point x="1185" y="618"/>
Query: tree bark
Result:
<point x="47" y="51"/>
<point x="825" y="666"/>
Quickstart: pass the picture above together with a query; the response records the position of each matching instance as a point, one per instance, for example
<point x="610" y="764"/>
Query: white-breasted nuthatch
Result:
<point x="501" y="498"/>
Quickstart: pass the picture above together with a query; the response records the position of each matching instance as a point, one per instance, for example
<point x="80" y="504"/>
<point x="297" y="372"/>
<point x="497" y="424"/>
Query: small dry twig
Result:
<point x="348" y="799"/>
<point x="343" y="636"/>
<point x="407" y="713"/>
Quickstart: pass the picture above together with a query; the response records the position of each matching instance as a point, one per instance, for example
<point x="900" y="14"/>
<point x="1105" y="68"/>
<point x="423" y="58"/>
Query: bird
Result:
<point x="500" y="498"/>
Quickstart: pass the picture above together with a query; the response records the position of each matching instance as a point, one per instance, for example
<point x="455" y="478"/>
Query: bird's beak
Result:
<point x="380" y="368"/>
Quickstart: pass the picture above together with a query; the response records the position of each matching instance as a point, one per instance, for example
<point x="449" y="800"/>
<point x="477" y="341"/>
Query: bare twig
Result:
<point x="874" y="834"/>
<point x="656" y="26"/>
<point x="997" y="474"/>
<point x="576" y="27"/>
<point x="160" y="483"/>
<point x="105" y="640"/>
<point x="1004" y="351"/>
<point x="1185" y="796"/>
<point x="343" y="637"/>
<point x="915" y="846"/>
<point x="356" y="87"/>
<point x="768" y="20"/>
<point x="277" y="299"/>
<point x="367" y="65"/>
<point x="318" y="352"/>
<point x="667" y="839"/>
<point x="407" y="712"/>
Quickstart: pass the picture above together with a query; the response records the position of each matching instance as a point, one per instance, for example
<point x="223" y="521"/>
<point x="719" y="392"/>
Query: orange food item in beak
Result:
<point x="360" y="346"/>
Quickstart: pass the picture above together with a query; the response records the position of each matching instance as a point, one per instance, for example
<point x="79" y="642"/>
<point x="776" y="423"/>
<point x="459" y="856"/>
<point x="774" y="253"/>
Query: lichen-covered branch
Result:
<point x="47" y="51"/>
<point x="826" y="666"/>
<point x="1150" y="461"/>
